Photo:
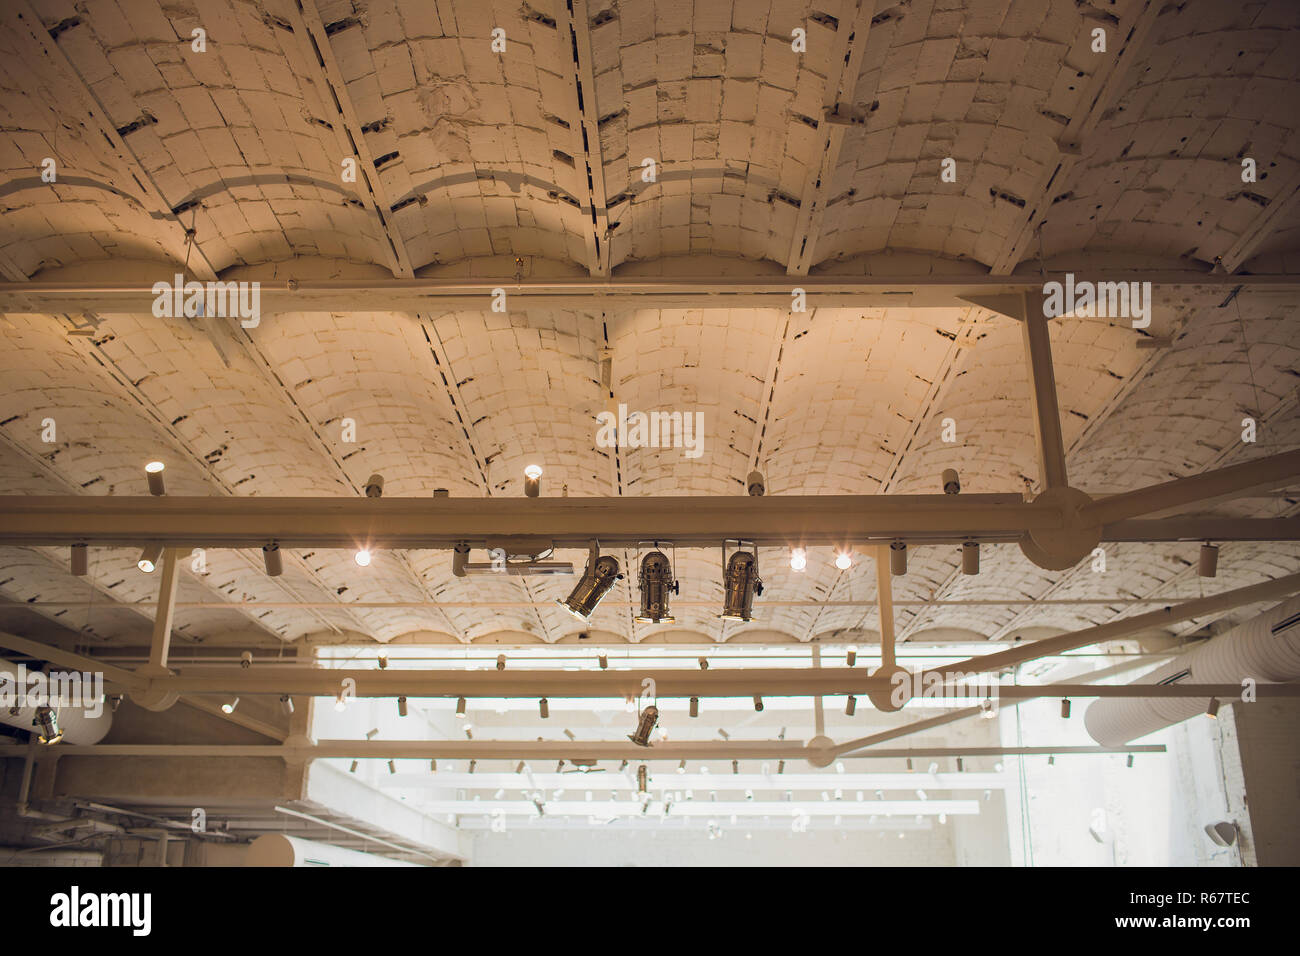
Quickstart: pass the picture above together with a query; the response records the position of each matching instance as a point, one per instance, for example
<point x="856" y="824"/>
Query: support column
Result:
<point x="1042" y="387"/>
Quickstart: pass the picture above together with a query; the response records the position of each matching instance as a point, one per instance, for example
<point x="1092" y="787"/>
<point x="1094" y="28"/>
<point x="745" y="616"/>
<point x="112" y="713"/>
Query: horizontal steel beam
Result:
<point x="543" y="750"/>
<point x="694" y="521"/>
<point x="1233" y="481"/>
<point x="278" y="294"/>
<point x="414" y="523"/>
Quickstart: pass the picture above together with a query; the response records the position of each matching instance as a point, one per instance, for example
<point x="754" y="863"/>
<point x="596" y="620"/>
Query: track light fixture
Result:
<point x="1065" y="709"/>
<point x="460" y="708"/>
<point x="603" y="661"/>
<point x="704" y="663"/>
<point x="681" y="767"/>
<point x="656" y="583"/>
<point x="741" y="582"/>
<point x="382" y="661"/>
<point x="780" y="766"/>
<point x="153" y="473"/>
<point x="533" y="480"/>
<point x="642" y="779"/>
<point x="695" y="707"/>
<point x="1130" y="760"/>
<point x="229" y="706"/>
<point x="392" y="767"/>
<point x="472" y="765"/>
<point x="286" y="705"/>
<point x="758" y="702"/>
<point x="851" y="656"/>
<point x="1208" y="564"/>
<point x="1213" y="709"/>
<point x="519" y="767"/>
<point x="843" y="560"/>
<point x="970" y="557"/>
<point x="78" y="562"/>
<point x="47" y="719"/>
<point x="645" y="726"/>
<point x="433" y="765"/>
<point x="798" y="559"/>
<point x="851" y="707"/>
<point x="353" y="768"/>
<point x="898" y="559"/>
<point x="401" y="707"/>
<point x="271" y="560"/>
<point x="149" y="558"/>
<point x="374" y="487"/>
<point x="735" y="766"/>
<point x="362" y="557"/>
<point x="501" y="662"/>
<point x="951" y="482"/>
<point x="544" y="707"/>
<point x="597" y="580"/>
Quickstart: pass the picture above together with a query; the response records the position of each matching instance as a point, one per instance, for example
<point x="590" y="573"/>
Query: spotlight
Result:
<point x="951" y="482"/>
<point x="780" y="766"/>
<point x="681" y="767"/>
<point x="544" y="706"/>
<point x="596" y="581"/>
<point x="1051" y="760"/>
<point x="741" y="582"/>
<point x="353" y="768"/>
<point x="656" y="584"/>
<point x="1213" y="709"/>
<point x="392" y="767"/>
<point x="704" y="663"/>
<point x="286" y="704"/>
<point x="501" y="662"/>
<point x="401" y="707"/>
<point x="960" y="765"/>
<point x="519" y="768"/>
<point x="695" y="707"/>
<point x="340" y="703"/>
<point x="271" y="560"/>
<point x="374" y="486"/>
<point x="229" y="706"/>
<point x="460" y="708"/>
<point x="898" y="559"/>
<point x="758" y="702"/>
<point x="844" y="560"/>
<point x="851" y="707"/>
<point x="798" y="559"/>
<point x="909" y="764"/>
<point x="735" y="766"/>
<point x="472" y="765"/>
<point x="1065" y="709"/>
<point x="153" y="473"/>
<point x="1208" y="565"/>
<point x="851" y="656"/>
<point x="433" y="765"/>
<point x="1130" y="760"/>
<point x="645" y="726"/>
<point x="970" y="557"/>
<point x="382" y="661"/>
<point x="246" y="660"/>
<point x="533" y="481"/>
<point x="47" y="718"/>
<point x="755" y="485"/>
<point x="363" y="557"/>
<point x="603" y="661"/>
<point x="149" y="558"/>
<point x="642" y="778"/>
<point x="78" y="560"/>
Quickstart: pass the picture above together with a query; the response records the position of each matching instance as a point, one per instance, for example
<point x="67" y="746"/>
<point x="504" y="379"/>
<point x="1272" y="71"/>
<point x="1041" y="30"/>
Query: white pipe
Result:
<point x="85" y="723"/>
<point x="1265" y="649"/>
<point x="277" y="849"/>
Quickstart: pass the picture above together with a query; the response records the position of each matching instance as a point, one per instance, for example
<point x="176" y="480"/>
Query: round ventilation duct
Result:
<point x="1266" y="648"/>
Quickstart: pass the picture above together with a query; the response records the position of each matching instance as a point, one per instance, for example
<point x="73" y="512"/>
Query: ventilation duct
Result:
<point x="1266" y="649"/>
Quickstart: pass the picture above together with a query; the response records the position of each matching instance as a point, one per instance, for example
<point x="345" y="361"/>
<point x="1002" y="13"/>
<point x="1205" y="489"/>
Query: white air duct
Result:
<point x="276" y="849"/>
<point x="1265" y="649"/>
<point x="86" y="723"/>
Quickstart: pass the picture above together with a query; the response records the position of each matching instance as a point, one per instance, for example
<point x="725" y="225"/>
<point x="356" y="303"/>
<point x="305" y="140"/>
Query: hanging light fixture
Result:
<point x="271" y="560"/>
<point x="149" y="558"/>
<point x="656" y="584"/>
<point x="898" y="559"/>
<point x="645" y="726"/>
<point x="695" y="707"/>
<point x="47" y="718"/>
<point x="153" y="473"/>
<point x="597" y="580"/>
<point x="741" y="582"/>
<point x="533" y="481"/>
<point x="1207" y="566"/>
<point x="798" y="559"/>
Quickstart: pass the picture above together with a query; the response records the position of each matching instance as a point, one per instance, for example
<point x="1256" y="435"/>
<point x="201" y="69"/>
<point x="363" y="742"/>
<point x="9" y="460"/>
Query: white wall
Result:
<point x="666" y="848"/>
